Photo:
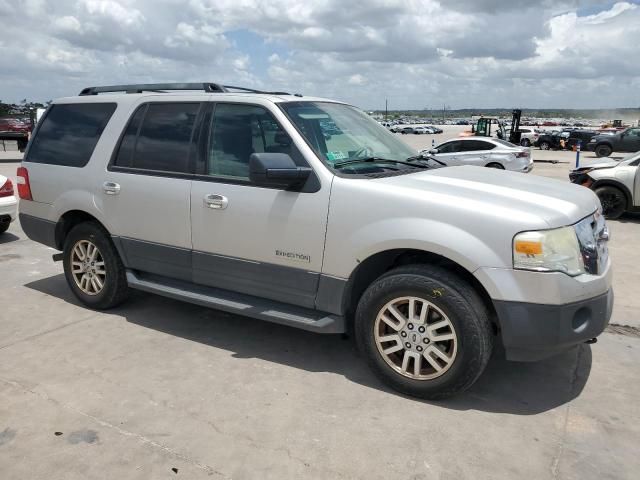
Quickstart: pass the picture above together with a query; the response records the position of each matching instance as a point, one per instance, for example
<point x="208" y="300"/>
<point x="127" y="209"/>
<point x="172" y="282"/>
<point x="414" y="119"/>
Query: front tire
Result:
<point x="495" y="165"/>
<point x="545" y="146"/>
<point x="525" y="142"/>
<point x="613" y="200"/>
<point x="424" y="331"/>
<point x="603" y="150"/>
<point x="93" y="268"/>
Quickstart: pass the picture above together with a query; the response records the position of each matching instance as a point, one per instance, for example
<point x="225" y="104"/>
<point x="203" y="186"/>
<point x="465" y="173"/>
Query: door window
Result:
<point x="449" y="147"/>
<point x="239" y="131"/>
<point x="164" y="140"/>
<point x="475" y="145"/>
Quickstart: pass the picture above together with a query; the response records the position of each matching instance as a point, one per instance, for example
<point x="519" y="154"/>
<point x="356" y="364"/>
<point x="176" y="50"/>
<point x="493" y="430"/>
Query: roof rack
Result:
<point x="208" y="87"/>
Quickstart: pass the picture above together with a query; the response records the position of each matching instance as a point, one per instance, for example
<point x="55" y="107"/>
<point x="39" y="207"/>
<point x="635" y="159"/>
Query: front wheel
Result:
<point x="495" y="165"/>
<point x="613" y="200"/>
<point x="93" y="268"/>
<point x="545" y="146"/>
<point x="525" y="142"/>
<point x="424" y="331"/>
<point x="603" y="151"/>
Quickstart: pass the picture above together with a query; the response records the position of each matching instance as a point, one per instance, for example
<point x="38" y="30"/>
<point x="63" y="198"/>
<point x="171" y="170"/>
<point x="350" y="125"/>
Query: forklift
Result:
<point x="482" y="128"/>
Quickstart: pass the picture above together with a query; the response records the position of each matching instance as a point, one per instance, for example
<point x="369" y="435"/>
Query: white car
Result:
<point x="528" y="136"/>
<point x="422" y="130"/>
<point x="8" y="204"/>
<point x="483" y="152"/>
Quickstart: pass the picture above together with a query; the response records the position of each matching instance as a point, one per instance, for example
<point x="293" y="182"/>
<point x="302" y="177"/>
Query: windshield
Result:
<point x="341" y="134"/>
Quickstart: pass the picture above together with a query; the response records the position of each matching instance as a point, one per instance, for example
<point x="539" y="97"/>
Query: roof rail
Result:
<point x="208" y="87"/>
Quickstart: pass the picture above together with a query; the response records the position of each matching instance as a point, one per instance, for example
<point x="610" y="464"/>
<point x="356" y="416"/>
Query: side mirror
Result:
<point x="277" y="170"/>
<point x="433" y="151"/>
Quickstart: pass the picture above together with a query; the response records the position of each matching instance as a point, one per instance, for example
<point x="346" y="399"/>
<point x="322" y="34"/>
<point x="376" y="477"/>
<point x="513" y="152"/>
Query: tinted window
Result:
<point x="164" y="140"/>
<point x="449" y="147"/>
<point x="240" y="130"/>
<point x="128" y="142"/>
<point x="476" y="145"/>
<point x="69" y="133"/>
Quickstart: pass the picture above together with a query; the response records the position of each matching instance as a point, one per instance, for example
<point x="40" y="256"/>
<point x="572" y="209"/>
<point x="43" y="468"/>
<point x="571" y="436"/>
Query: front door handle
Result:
<point x="217" y="202"/>
<point x="111" y="188"/>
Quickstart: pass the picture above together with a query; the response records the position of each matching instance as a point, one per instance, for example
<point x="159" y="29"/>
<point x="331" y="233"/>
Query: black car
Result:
<point x="626" y="141"/>
<point x="548" y="141"/>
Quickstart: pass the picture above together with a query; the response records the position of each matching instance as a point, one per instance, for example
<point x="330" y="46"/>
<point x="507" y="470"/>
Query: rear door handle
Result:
<point x="111" y="188"/>
<point x="216" y="202"/>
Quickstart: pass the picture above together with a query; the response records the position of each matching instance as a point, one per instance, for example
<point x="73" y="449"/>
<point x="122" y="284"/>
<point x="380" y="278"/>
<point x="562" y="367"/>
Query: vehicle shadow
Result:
<point x="8" y="237"/>
<point x="505" y="387"/>
<point x="630" y="217"/>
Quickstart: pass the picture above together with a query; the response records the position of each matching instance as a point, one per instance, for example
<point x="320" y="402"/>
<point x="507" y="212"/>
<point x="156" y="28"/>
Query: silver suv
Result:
<point x="308" y="213"/>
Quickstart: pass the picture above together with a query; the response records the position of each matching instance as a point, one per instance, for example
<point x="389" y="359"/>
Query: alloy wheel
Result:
<point x="415" y="338"/>
<point x="87" y="267"/>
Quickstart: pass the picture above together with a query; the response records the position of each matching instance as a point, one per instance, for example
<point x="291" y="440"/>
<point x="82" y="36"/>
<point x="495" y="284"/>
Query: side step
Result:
<point x="241" y="304"/>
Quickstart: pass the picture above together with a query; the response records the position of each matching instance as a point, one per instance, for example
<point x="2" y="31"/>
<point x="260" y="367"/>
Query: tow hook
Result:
<point x="591" y="340"/>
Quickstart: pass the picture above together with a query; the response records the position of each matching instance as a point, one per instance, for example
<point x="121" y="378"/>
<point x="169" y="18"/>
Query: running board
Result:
<point x="241" y="304"/>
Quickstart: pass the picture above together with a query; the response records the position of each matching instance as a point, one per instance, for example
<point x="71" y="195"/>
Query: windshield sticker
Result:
<point x="333" y="156"/>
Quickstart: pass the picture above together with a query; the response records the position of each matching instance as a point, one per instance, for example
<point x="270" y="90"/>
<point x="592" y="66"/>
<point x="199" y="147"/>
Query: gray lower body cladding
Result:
<point x="532" y="332"/>
<point x="38" y="229"/>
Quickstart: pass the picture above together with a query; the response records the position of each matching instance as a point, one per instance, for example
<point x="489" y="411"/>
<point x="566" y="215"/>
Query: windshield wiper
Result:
<point x="376" y="160"/>
<point x="424" y="157"/>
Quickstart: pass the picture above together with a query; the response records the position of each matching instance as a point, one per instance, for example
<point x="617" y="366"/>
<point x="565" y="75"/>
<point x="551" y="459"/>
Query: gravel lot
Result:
<point x="162" y="389"/>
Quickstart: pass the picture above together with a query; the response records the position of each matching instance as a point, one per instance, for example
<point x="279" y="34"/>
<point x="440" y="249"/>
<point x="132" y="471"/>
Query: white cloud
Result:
<point x="417" y="53"/>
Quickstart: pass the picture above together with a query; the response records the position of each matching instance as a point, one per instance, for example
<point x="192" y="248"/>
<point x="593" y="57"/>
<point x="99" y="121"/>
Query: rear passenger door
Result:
<point x="259" y="241"/>
<point x="146" y="189"/>
<point x="475" y="152"/>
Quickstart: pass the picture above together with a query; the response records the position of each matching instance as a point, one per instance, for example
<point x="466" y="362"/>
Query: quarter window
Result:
<point x="239" y="131"/>
<point x="69" y="133"/>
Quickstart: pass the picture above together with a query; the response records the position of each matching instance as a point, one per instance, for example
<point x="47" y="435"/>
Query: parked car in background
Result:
<point x="15" y="129"/>
<point x="528" y="136"/>
<point x="422" y="130"/>
<point x="625" y="141"/>
<point x="8" y="203"/>
<point x="485" y="152"/>
<point x="567" y="138"/>
<point x="617" y="184"/>
<point x="406" y="130"/>
<point x="435" y="129"/>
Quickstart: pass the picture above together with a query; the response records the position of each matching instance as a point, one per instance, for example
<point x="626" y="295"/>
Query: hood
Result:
<point x="604" y="136"/>
<point x="598" y="164"/>
<point x="533" y="201"/>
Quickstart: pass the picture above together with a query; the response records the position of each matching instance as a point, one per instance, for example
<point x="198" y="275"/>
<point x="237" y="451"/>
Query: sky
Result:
<point x="415" y="53"/>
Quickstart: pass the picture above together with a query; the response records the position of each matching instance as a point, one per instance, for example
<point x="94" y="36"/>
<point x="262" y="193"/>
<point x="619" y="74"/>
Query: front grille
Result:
<point x="593" y="237"/>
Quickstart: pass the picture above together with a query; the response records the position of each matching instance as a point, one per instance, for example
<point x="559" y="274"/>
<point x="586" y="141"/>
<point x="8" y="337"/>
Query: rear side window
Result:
<point x="159" y="138"/>
<point x="69" y="133"/>
<point x="449" y="147"/>
<point x="476" y="145"/>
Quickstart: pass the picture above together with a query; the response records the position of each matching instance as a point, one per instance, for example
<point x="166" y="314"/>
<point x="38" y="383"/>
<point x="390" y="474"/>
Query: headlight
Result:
<point x="548" y="251"/>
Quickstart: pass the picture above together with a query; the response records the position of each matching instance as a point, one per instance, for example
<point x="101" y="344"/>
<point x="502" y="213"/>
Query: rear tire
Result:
<point x="613" y="200"/>
<point x="603" y="150"/>
<point x="467" y="341"/>
<point x="93" y="268"/>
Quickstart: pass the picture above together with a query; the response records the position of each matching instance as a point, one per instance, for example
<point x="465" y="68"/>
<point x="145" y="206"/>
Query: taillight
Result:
<point x="6" y="190"/>
<point x="24" y="187"/>
<point x="522" y="154"/>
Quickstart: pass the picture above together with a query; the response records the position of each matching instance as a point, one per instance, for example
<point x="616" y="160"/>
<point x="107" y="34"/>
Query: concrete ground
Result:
<point x="161" y="389"/>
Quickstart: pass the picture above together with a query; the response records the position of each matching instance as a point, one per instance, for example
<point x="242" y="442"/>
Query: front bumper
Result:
<point x="535" y="331"/>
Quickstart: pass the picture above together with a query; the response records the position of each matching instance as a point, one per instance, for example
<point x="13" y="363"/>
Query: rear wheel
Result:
<point x="603" y="150"/>
<point x="424" y="331"/>
<point x="525" y="142"/>
<point x="495" y="165"/>
<point x="613" y="200"/>
<point x="545" y="146"/>
<point x="93" y="268"/>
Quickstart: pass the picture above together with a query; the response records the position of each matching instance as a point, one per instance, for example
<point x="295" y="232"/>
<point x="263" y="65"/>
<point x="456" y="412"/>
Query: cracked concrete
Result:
<point x="161" y="389"/>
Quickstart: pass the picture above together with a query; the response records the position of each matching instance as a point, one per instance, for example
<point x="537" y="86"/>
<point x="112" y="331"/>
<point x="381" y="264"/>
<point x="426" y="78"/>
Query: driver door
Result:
<point x="449" y="153"/>
<point x="259" y="241"/>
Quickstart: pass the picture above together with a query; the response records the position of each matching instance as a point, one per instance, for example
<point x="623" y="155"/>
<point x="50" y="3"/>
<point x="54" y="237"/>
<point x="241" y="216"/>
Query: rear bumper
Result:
<point x="39" y="230"/>
<point x="532" y="332"/>
<point x="8" y="207"/>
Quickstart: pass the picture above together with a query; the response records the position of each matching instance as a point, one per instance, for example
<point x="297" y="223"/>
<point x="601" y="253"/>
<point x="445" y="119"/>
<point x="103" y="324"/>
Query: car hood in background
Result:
<point x="598" y="163"/>
<point x="535" y="200"/>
